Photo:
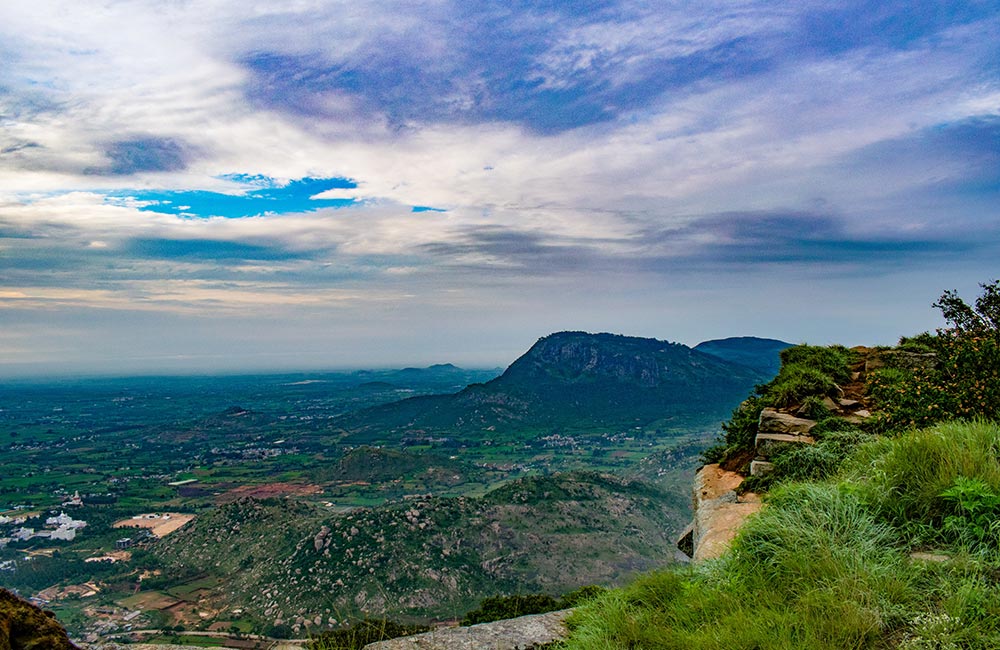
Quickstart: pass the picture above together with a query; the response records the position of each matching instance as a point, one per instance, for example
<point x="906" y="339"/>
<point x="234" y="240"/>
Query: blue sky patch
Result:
<point x="264" y="196"/>
<point x="426" y="208"/>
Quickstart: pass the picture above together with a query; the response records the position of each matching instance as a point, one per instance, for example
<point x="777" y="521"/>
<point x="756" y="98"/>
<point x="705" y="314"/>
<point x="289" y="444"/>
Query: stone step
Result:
<point x="772" y="421"/>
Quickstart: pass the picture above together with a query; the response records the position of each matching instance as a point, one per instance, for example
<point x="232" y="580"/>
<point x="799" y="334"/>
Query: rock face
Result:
<point x="572" y="379"/>
<point x="524" y="633"/>
<point x="719" y="511"/>
<point x="25" y="627"/>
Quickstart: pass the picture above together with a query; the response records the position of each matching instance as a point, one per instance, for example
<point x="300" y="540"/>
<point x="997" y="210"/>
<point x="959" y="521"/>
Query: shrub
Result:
<point x="966" y="380"/>
<point x="739" y="432"/>
<point x="797" y="382"/>
<point x="818" y="461"/>
<point x="362" y="633"/>
<point x="975" y="518"/>
<point x="496" y="608"/>
<point x="833" y="361"/>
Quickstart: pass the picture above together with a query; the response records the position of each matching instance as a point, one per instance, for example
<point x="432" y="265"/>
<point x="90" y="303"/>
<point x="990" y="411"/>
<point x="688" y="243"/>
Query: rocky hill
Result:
<point x="573" y="380"/>
<point x="290" y="563"/>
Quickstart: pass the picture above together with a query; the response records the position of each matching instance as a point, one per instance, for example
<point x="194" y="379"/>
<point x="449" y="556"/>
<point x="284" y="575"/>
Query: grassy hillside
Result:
<point x="883" y="536"/>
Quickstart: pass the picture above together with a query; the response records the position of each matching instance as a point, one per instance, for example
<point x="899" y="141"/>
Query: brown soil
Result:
<point x="268" y="490"/>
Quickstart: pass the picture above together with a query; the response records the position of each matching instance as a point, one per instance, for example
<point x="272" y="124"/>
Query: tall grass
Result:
<point x="827" y="565"/>
<point x="904" y="478"/>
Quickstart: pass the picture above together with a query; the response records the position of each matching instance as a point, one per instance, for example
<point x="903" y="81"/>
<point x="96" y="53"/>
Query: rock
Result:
<point x="772" y="421"/>
<point x="901" y="359"/>
<point x="686" y="541"/>
<point x="320" y="537"/>
<point x="925" y="556"/>
<point x="858" y="416"/>
<point x="524" y="633"/>
<point x="767" y="443"/>
<point x="761" y="467"/>
<point x="718" y="511"/>
<point x="849" y="404"/>
<point x="830" y="405"/>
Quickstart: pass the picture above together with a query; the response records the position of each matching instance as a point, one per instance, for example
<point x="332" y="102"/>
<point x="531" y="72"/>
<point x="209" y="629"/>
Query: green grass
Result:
<point x="827" y="564"/>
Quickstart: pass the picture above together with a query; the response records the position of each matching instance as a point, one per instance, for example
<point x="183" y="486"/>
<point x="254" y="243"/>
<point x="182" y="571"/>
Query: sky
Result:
<point x="224" y="186"/>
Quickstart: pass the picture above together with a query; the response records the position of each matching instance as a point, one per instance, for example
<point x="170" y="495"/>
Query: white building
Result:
<point x="23" y="534"/>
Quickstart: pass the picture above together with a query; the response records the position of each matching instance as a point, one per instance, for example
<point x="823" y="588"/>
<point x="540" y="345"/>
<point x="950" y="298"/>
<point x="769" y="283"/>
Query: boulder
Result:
<point x="718" y="511"/>
<point x="523" y="633"/>
<point x="761" y="467"/>
<point x="772" y="421"/>
<point x="768" y="443"/>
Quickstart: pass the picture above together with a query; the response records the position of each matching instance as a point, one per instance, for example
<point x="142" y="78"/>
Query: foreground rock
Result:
<point x="719" y="511"/>
<point x="524" y="633"/>
<point x="25" y="627"/>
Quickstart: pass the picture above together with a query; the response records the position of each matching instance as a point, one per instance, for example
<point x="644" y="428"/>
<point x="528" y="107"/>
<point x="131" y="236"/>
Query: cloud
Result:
<point x="144" y="154"/>
<point x="479" y="162"/>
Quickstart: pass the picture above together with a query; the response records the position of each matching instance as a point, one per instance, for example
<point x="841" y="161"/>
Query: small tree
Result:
<point x="981" y="319"/>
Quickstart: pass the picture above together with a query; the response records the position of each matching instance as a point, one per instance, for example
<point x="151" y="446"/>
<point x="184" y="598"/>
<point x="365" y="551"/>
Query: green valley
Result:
<point x="435" y="487"/>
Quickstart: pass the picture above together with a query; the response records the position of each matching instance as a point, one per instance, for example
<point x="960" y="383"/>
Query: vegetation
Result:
<point x="496" y="608"/>
<point x="827" y="564"/>
<point x="429" y="557"/>
<point x="963" y="380"/>
<point x="363" y="632"/>
<point x="888" y="541"/>
<point x="230" y="448"/>
<point x="22" y="625"/>
<point x="807" y="373"/>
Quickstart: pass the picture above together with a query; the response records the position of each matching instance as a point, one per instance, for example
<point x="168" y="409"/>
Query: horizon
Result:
<point x="35" y="374"/>
<point x="212" y="189"/>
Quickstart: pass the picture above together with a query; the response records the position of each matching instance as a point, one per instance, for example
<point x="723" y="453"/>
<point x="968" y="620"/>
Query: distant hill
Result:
<point x="757" y="353"/>
<point x="429" y="556"/>
<point x="574" y="380"/>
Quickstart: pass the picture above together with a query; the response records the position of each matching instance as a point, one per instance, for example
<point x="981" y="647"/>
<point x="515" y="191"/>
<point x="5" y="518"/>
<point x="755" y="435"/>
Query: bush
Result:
<point x="819" y="461"/>
<point x="795" y="383"/>
<point x="362" y="633"/>
<point x="833" y="361"/>
<point x="496" y="608"/>
<point x="966" y="380"/>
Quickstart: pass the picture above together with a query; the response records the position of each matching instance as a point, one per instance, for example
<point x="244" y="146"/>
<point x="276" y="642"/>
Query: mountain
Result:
<point x="760" y="354"/>
<point x="573" y="381"/>
<point x="289" y="561"/>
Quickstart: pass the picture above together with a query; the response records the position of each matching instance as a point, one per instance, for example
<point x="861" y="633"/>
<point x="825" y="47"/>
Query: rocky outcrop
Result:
<point x="26" y="627"/>
<point x="525" y="633"/>
<point x="719" y="512"/>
